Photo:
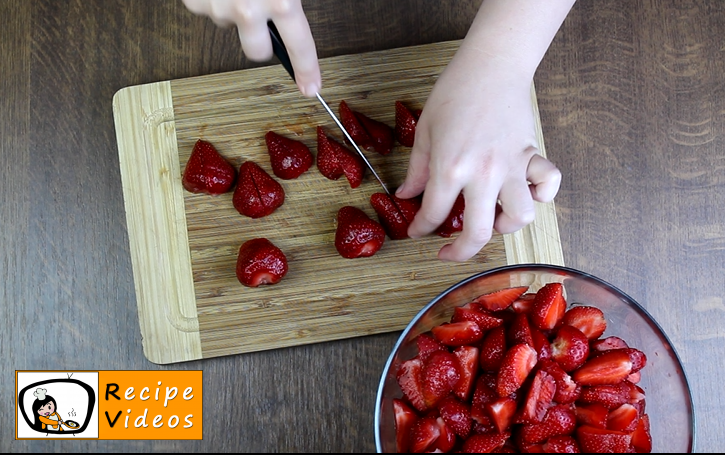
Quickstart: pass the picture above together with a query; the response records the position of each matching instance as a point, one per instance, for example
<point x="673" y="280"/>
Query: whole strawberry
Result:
<point x="357" y="235"/>
<point x="334" y="160"/>
<point x="394" y="213"/>
<point x="207" y="171"/>
<point x="289" y="158"/>
<point x="257" y="194"/>
<point x="260" y="262"/>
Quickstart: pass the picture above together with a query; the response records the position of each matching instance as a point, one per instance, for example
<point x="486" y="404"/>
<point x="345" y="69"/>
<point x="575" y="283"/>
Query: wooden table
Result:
<point x="632" y="101"/>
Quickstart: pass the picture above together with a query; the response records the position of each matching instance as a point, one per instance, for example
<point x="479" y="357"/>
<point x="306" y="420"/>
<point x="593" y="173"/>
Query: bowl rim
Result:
<point x="539" y="267"/>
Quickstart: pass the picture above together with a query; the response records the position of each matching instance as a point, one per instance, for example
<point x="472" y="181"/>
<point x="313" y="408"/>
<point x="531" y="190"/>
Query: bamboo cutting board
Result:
<point x="184" y="246"/>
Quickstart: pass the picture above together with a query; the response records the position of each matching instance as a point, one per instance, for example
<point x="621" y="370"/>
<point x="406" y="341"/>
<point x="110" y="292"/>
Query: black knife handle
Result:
<point x="279" y="49"/>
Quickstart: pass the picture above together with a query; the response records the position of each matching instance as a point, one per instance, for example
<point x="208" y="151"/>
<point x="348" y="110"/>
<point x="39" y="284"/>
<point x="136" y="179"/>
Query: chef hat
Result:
<point x="40" y="394"/>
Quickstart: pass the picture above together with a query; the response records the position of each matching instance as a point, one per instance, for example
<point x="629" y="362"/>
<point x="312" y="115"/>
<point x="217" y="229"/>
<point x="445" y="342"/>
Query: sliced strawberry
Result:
<point x="474" y="312"/>
<point x="289" y="158"/>
<point x="549" y="306"/>
<point x="609" y="396"/>
<point x="493" y="349"/>
<point x="409" y="377"/>
<point x="539" y="398"/>
<point x="381" y="135"/>
<point x="334" y="160"/>
<point x="405" y="418"/>
<point x="440" y="375"/>
<point x="597" y="440"/>
<point x="516" y="365"/>
<point x="519" y="330"/>
<point x="353" y="126"/>
<point x="485" y="443"/>
<point x="594" y="414"/>
<point x="260" y="262"/>
<point x="454" y="221"/>
<point x="257" y="193"/>
<point x="610" y="367"/>
<point x="447" y="439"/>
<point x="427" y="344"/>
<point x="424" y="434"/>
<point x="561" y="444"/>
<point x="638" y="358"/>
<point x="560" y="420"/>
<point x="395" y="214"/>
<point x="457" y="415"/>
<point x="624" y="418"/>
<point x="541" y="344"/>
<point x="570" y="348"/>
<point x="484" y="393"/>
<point x="641" y="437"/>
<point x="357" y="235"/>
<point x="502" y="299"/>
<point x="502" y="412"/>
<point x="458" y="333"/>
<point x="405" y="124"/>
<point x="605" y="344"/>
<point x="468" y="362"/>
<point x="207" y="171"/>
<point x="525" y="303"/>
<point x="589" y="320"/>
<point x="567" y="390"/>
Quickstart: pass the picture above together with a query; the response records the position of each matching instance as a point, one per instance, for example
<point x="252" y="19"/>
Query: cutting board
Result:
<point x="184" y="246"/>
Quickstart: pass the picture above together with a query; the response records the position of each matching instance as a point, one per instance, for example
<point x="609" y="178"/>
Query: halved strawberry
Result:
<point x="427" y="344"/>
<point x="610" y="367"/>
<point x="502" y="299"/>
<point x="493" y="349"/>
<point x="549" y="306"/>
<point x="598" y="440"/>
<point x="260" y="262"/>
<point x="483" y="393"/>
<point x="561" y="444"/>
<point x="424" y="434"/>
<point x="623" y="418"/>
<point x="610" y="342"/>
<point x="207" y="171"/>
<point x="638" y="358"/>
<point x="609" y="396"/>
<point x="458" y="333"/>
<point x="454" y="221"/>
<point x="541" y="344"/>
<point x="570" y="348"/>
<point x="502" y="412"/>
<point x="525" y="303"/>
<point x="440" y="375"/>
<point x="539" y="398"/>
<point x="457" y="415"/>
<point x="289" y="158"/>
<point x="474" y="312"/>
<point x="353" y="126"/>
<point x="641" y="437"/>
<point x="594" y="414"/>
<point x="516" y="365"/>
<point x="365" y="131"/>
<point x="405" y="418"/>
<point x="590" y="320"/>
<point x="567" y="390"/>
<point x="468" y="361"/>
<point x="484" y="443"/>
<point x="405" y="124"/>
<point x="560" y="420"/>
<point x="334" y="160"/>
<point x="394" y="213"/>
<point x="409" y="377"/>
<point x="519" y="330"/>
<point x="357" y="235"/>
<point x="257" y="193"/>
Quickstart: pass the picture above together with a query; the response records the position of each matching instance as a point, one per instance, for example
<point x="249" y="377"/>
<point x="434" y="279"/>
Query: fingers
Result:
<point x="418" y="172"/>
<point x="296" y="33"/>
<point x="477" y="225"/>
<point x="545" y="179"/>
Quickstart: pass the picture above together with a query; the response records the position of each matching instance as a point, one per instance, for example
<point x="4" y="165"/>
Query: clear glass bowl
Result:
<point x="668" y="396"/>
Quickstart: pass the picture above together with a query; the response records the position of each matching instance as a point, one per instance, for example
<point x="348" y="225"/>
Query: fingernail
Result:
<point x="400" y="189"/>
<point x="310" y="90"/>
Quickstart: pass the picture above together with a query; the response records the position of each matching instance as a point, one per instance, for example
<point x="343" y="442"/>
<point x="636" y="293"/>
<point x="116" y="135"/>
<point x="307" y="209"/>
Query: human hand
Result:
<point x="477" y="134"/>
<point x="251" y="16"/>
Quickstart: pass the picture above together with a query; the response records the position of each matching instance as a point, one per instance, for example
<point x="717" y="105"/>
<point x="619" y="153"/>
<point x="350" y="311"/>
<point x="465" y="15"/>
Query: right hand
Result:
<point x="251" y="16"/>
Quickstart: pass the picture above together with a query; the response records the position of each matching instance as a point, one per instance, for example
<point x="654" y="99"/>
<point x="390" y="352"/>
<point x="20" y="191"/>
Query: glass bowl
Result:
<point x="668" y="396"/>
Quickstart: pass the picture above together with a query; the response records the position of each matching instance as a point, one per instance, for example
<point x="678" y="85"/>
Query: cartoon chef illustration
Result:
<point x="46" y="413"/>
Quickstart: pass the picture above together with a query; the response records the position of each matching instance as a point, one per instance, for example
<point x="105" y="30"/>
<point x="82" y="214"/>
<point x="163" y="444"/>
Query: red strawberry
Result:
<point x="598" y="440"/>
<point x="539" y="397"/>
<point x="560" y="420"/>
<point x="405" y="418"/>
<point x="409" y="377"/>
<point x="594" y="414"/>
<point x="641" y="437"/>
<point x="260" y="262"/>
<point x="638" y="358"/>
<point x="502" y="299"/>
<point x="424" y="434"/>
<point x="366" y="132"/>
<point x="570" y="348"/>
<point x="516" y="365"/>
<point x="493" y="349"/>
<point x="541" y="344"/>
<point x="485" y="443"/>
<point x="502" y="412"/>
<point x="357" y="235"/>
<point x="483" y="394"/>
<point x="207" y="171"/>
<point x="354" y="127"/>
<point x="605" y="344"/>
<point x="454" y="221"/>
<point x="405" y="124"/>
<point x="334" y="160"/>
<point x="561" y="444"/>
<point x="525" y="303"/>
<point x="468" y="361"/>
<point x="590" y="320"/>
<point x="447" y="438"/>
<point x="458" y="333"/>
<point x="395" y="214"/>
<point x="257" y="194"/>
<point x="549" y="306"/>
<point x="473" y="312"/>
<point x="623" y="418"/>
<point x="289" y="158"/>
<point x="609" y="396"/>
<point x="457" y="415"/>
<point x="519" y="330"/>
<point x="610" y="367"/>
<point x="567" y="390"/>
<point x="440" y="376"/>
<point x="427" y="344"/>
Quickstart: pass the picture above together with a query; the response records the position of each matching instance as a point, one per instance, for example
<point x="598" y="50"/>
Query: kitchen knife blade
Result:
<point x="281" y="52"/>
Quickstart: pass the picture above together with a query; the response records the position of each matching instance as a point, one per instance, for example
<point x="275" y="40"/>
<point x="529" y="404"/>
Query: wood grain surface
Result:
<point x="632" y="101"/>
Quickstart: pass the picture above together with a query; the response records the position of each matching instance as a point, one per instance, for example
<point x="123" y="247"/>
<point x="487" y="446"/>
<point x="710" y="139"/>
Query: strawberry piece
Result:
<point x="493" y="349"/>
<point x="440" y="376"/>
<point x="484" y="393"/>
<point x="334" y="160"/>
<point x="624" y="418"/>
<point x="605" y="344"/>
<point x="260" y="262"/>
<point x="405" y="418"/>
<point x="502" y="299"/>
<point x="560" y="420"/>
<point x="594" y="414"/>
<point x="597" y="440"/>
<point x="610" y="367"/>
<point x="354" y="127"/>
<point x="409" y="377"/>
<point x="567" y="390"/>
<point x="539" y="398"/>
<point x="502" y="412"/>
<point x="447" y="439"/>
<point x="405" y="124"/>
<point x="257" y="193"/>
<point x="519" y="330"/>
<point x="641" y="437"/>
<point x="207" y="171"/>
<point x="638" y="358"/>
<point x="609" y="396"/>
<point x="473" y="312"/>
<point x="395" y="214"/>
<point x="516" y="365"/>
<point x="357" y="235"/>
<point x="454" y="221"/>
<point x="289" y="158"/>
<point x="570" y="348"/>
<point x="485" y="443"/>
<point x="424" y="434"/>
<point x="457" y="415"/>
<point x="525" y="303"/>
<point x="541" y="344"/>
<point x="366" y="132"/>
<point x="468" y="362"/>
<point x="549" y="306"/>
<point x="561" y="444"/>
<point x="458" y="333"/>
<point x="427" y="344"/>
<point x="589" y="320"/>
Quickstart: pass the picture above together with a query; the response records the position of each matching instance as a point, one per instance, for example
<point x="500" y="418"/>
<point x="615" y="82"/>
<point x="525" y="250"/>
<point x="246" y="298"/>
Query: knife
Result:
<point x="280" y="50"/>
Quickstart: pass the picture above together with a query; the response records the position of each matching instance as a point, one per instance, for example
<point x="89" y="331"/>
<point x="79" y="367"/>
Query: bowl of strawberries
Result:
<point x="534" y="358"/>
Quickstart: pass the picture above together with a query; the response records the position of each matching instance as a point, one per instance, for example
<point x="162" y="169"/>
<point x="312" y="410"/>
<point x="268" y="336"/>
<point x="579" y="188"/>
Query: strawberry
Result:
<point x="447" y="438"/>
<point x="257" y="193"/>
<point x="541" y="344"/>
<point x="502" y="299"/>
<point x="561" y="444"/>
<point x="549" y="306"/>
<point x="605" y="344"/>
<point x="567" y="391"/>
<point x="623" y="418"/>
<point x="598" y="440"/>
<point x="484" y="393"/>
<point x="468" y="362"/>
<point x="457" y="333"/>
<point x="427" y="344"/>
<point x="638" y="358"/>
<point x="405" y="418"/>
<point x="519" y="330"/>
<point x="610" y="367"/>
<point x="424" y="434"/>
<point x="485" y="443"/>
<point x="260" y="262"/>
<point x="570" y="348"/>
<point x="590" y="320"/>
<point x="454" y="221"/>
<point x="473" y="312"/>
<point x="289" y="158"/>
<point x="357" y="235"/>
<point x="560" y="420"/>
<point x="366" y="132"/>
<point x="641" y="437"/>
<point x="334" y="160"/>
<point x="516" y="365"/>
<point x="457" y="415"/>
<point x="493" y="349"/>
<point x="207" y="171"/>
<point x="609" y="396"/>
<point x="539" y="397"/>
<point x="439" y="377"/>
<point x="405" y="124"/>
<point x="409" y="377"/>
<point x="395" y="214"/>
<point x="525" y="303"/>
<point x="502" y="412"/>
<point x="354" y="127"/>
<point x="594" y="414"/>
